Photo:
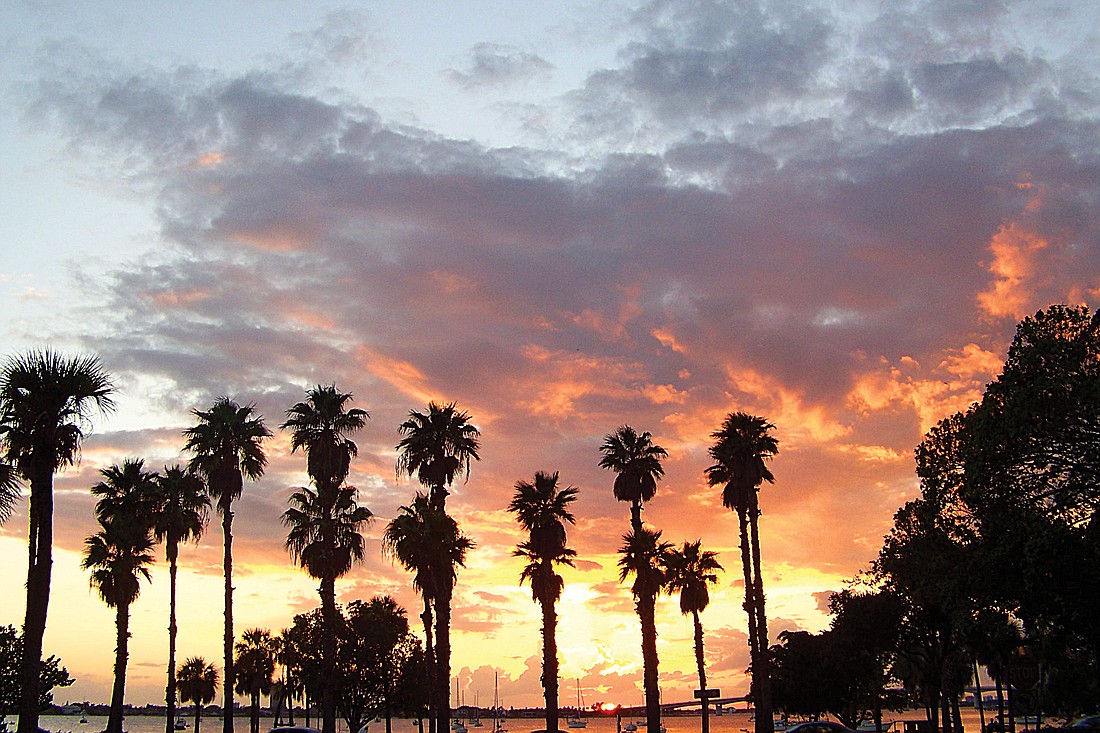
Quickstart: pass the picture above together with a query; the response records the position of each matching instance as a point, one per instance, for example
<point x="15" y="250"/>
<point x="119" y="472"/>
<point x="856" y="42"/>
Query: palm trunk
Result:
<point x="636" y="516"/>
<point x="750" y="606"/>
<point x="702" y="669"/>
<point x="762" y="666"/>
<point x="39" y="568"/>
<point x="646" y="606"/>
<point x="443" y="655"/>
<point x="429" y="660"/>
<point x="198" y="715"/>
<point x="118" y="692"/>
<point x="227" y="563"/>
<point x="254" y="712"/>
<point x="170" y="692"/>
<point x="328" y="661"/>
<point x="550" y="664"/>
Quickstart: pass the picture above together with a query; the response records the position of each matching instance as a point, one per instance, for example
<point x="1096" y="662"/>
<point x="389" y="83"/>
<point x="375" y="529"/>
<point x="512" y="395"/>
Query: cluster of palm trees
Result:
<point x="46" y="401"/>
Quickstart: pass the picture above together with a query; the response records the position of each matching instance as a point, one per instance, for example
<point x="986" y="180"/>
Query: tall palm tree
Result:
<point x="689" y="570"/>
<point x="198" y="683"/>
<point x="427" y="541"/>
<point x="742" y="447"/>
<point x="325" y="538"/>
<point x="542" y="510"/>
<point x="227" y="446"/>
<point x="254" y="668"/>
<point x="118" y="556"/>
<point x="182" y="506"/>
<point x="46" y="404"/>
<point x="645" y="556"/>
<point x="320" y="426"/>
<point x="127" y="492"/>
<point x="636" y="460"/>
<point x="325" y="524"/>
<point x="437" y="447"/>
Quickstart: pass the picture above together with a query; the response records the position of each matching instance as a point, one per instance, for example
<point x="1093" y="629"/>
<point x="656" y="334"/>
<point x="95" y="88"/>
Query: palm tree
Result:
<point x="325" y="524"/>
<point x="118" y="556"/>
<point x="320" y="426"/>
<point x="325" y="539"/>
<point x="46" y="404"/>
<point x="9" y="491"/>
<point x="741" y="448"/>
<point x="645" y="556"/>
<point x="542" y="510"/>
<point x="689" y="570"/>
<point x="227" y="447"/>
<point x="437" y="447"/>
<point x="427" y="541"/>
<point x="637" y="461"/>
<point x="182" y="506"/>
<point x="254" y="667"/>
<point x="198" y="683"/>
<point x="127" y="493"/>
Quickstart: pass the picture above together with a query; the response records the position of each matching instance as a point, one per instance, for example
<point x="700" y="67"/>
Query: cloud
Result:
<point x="495" y="65"/>
<point x="829" y="220"/>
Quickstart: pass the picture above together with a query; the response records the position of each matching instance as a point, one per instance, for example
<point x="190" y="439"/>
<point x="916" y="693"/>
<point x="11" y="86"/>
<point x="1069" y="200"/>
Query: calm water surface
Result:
<point x="728" y="723"/>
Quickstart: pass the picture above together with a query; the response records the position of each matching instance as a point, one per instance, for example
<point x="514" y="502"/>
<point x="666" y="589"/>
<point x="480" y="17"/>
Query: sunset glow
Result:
<point x="563" y="221"/>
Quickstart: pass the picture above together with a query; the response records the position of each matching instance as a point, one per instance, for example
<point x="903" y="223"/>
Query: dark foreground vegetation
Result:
<point x="996" y="564"/>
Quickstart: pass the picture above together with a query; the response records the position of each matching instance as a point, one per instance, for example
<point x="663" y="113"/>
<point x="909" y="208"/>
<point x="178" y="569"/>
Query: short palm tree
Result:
<point x="645" y="556"/>
<point x="437" y="447"/>
<point x="227" y="446"/>
<point x="198" y="683"/>
<point x="118" y="557"/>
<point x="182" y="506"/>
<point x="325" y="538"/>
<point x="690" y="570"/>
<point x="254" y="667"/>
<point x="636" y="460"/>
<point x="742" y="447"/>
<point x="427" y="541"/>
<point x="46" y="404"/>
<point x="542" y="509"/>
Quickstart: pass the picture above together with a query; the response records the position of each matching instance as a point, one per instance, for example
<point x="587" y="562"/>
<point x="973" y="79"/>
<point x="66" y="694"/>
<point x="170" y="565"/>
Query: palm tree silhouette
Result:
<point x="197" y="683"/>
<point x="689" y="570"/>
<point x="46" y="404"/>
<point x="426" y="541"/>
<point x="182" y="506"/>
<point x="227" y="446"/>
<point x="741" y="448"/>
<point x="254" y="668"/>
<point x="542" y="510"/>
<point x="325" y="538"/>
<point x="9" y="491"/>
<point x="325" y="524"/>
<point x="118" y="556"/>
<point x="637" y="462"/>
<point x="645" y="556"/>
<point x="126" y="492"/>
<point x="437" y="447"/>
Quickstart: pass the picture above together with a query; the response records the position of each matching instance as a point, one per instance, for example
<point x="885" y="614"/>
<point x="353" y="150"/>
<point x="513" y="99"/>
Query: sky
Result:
<point x="564" y="217"/>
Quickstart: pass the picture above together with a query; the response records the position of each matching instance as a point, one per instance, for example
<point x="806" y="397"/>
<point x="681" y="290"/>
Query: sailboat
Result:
<point x="498" y="726"/>
<point x="576" y="721"/>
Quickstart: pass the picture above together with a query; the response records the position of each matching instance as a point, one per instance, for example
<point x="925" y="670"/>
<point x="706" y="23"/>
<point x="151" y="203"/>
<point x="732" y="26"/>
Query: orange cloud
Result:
<point x="1014" y="266"/>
